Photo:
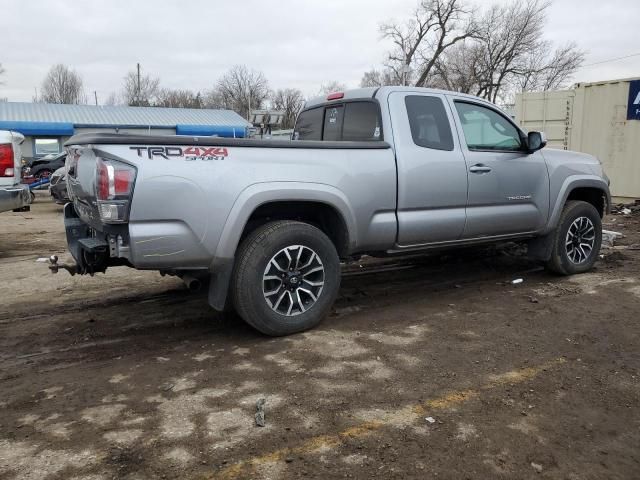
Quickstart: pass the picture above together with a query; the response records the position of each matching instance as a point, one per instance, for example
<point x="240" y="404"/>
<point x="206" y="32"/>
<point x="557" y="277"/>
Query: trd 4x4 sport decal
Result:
<point x="187" y="153"/>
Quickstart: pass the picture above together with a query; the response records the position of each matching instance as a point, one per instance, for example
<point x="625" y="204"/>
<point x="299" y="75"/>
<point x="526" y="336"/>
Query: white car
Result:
<point x="13" y="195"/>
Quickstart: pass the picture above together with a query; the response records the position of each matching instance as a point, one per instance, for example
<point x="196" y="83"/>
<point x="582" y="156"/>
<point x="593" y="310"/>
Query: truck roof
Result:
<point x="372" y="92"/>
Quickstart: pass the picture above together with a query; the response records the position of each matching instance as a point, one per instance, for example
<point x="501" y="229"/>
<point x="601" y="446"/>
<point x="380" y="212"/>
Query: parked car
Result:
<point x="44" y="167"/>
<point x="13" y="195"/>
<point x="58" y="186"/>
<point x="378" y="171"/>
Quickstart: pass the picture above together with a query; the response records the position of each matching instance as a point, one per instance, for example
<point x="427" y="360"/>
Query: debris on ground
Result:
<point x="260" y="412"/>
<point x="625" y="209"/>
<point x="609" y="237"/>
<point x="537" y="467"/>
<point x="517" y="281"/>
<point x="430" y="420"/>
<point x="614" y="258"/>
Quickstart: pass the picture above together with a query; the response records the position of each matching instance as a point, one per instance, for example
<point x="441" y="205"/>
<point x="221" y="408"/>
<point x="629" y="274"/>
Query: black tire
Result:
<point x="560" y="261"/>
<point x="247" y="283"/>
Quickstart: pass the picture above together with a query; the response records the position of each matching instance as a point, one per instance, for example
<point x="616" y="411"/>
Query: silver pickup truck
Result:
<point x="371" y="171"/>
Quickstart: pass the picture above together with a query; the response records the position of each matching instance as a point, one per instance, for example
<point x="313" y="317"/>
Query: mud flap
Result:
<point x="221" y="271"/>
<point x="540" y="248"/>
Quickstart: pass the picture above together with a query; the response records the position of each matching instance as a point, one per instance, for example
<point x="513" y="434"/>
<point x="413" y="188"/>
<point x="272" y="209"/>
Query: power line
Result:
<point x="611" y="60"/>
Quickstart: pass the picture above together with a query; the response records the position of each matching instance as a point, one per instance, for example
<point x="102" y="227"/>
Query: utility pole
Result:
<point x="138" y="94"/>
<point x="249" y="100"/>
<point x="405" y="72"/>
<point x="95" y="94"/>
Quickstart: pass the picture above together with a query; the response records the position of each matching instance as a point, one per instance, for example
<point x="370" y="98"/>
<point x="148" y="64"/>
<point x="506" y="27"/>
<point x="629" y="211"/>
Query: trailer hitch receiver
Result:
<point x="54" y="267"/>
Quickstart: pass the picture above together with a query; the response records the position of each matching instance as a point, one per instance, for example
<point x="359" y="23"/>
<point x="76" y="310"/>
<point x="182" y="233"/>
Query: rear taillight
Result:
<point x="7" y="168"/>
<point x="114" y="185"/>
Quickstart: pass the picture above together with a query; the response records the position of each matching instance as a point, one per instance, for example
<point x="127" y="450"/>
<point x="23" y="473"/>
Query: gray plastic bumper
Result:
<point x="14" y="197"/>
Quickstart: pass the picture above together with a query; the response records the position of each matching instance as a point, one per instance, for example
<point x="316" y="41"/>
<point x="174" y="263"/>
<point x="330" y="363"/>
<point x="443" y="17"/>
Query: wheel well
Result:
<point x="594" y="196"/>
<point x="318" y="214"/>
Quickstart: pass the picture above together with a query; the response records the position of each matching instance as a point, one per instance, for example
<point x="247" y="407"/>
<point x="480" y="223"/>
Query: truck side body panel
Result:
<point x="182" y="207"/>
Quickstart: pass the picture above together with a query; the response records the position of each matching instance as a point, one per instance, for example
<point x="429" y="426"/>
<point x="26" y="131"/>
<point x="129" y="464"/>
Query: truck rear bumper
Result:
<point x="158" y="245"/>
<point x="165" y="246"/>
<point x="90" y="253"/>
<point x="14" y="197"/>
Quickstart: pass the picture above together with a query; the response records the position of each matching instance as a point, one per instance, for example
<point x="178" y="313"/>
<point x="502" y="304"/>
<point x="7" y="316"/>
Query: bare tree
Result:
<point x="62" y="85"/>
<point x="213" y="99"/>
<point x="140" y="90"/>
<point x="290" y="101"/>
<point x="458" y="69"/>
<point x="435" y="26"/>
<point x="508" y="55"/>
<point x="565" y="61"/>
<point x="509" y="33"/>
<point x="240" y="89"/>
<point x="379" y="78"/>
<point x="331" y="87"/>
<point x="2" y="99"/>
<point x="178" y="99"/>
<point x="113" y="99"/>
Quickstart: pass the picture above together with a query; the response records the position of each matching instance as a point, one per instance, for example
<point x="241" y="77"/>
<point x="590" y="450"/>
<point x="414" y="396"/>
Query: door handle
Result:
<point x="479" y="168"/>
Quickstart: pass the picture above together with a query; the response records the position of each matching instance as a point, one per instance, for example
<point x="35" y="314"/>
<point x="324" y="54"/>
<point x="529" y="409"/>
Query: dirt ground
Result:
<point x="428" y="368"/>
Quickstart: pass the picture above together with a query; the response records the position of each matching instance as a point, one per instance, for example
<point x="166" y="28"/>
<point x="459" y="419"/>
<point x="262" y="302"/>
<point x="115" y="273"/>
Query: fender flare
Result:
<point x="247" y="202"/>
<point x="571" y="183"/>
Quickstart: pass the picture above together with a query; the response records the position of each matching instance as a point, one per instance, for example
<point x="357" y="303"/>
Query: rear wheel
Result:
<point x="576" y="240"/>
<point x="286" y="278"/>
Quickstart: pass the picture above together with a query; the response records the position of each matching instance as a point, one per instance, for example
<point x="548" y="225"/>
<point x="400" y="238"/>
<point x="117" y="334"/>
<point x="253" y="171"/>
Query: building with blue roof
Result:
<point x="47" y="126"/>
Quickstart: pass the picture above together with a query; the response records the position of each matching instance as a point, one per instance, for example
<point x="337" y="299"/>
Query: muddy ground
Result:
<point x="439" y="368"/>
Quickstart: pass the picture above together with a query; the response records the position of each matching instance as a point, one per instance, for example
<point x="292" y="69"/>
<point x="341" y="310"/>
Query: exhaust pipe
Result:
<point x="192" y="283"/>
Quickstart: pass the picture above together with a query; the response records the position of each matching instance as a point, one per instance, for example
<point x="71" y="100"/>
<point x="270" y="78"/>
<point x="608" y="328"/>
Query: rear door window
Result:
<point x="430" y="127"/>
<point x="333" y="123"/>
<point x="309" y="125"/>
<point x="357" y="121"/>
<point x="361" y="122"/>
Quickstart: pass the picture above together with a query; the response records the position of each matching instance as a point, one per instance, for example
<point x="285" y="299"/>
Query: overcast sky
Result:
<point x="296" y="43"/>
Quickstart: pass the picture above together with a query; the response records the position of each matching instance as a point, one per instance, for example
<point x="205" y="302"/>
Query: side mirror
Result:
<point x="536" y="141"/>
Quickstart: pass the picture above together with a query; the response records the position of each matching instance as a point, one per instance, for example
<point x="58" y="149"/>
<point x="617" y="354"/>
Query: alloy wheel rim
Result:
<point x="293" y="280"/>
<point x="580" y="240"/>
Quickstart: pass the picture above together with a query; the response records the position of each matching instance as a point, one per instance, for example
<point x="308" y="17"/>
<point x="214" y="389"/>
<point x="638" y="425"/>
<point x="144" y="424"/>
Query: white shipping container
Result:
<point x="590" y="118"/>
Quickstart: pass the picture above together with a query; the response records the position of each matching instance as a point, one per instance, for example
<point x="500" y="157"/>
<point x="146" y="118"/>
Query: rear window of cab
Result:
<point x="349" y="121"/>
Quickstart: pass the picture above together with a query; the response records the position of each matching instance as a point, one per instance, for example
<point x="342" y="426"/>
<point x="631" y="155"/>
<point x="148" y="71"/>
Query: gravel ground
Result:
<point x="427" y="368"/>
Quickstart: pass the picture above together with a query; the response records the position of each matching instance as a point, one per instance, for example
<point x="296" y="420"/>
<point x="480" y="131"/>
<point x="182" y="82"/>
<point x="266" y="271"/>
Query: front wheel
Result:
<point x="286" y="278"/>
<point x="576" y="240"/>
